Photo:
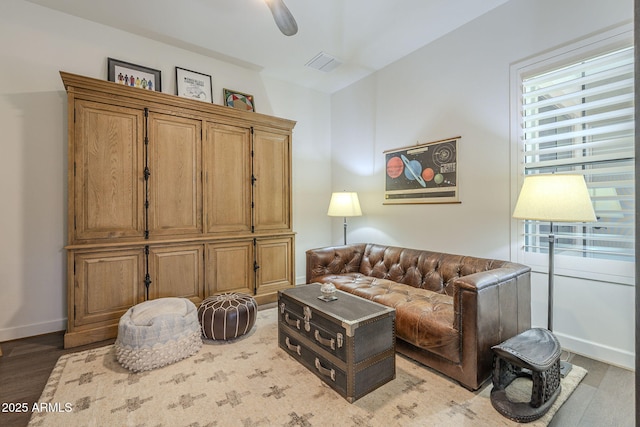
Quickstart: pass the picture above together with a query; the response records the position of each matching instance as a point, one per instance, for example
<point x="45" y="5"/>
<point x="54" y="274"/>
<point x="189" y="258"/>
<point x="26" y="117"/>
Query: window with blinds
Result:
<point x="579" y="118"/>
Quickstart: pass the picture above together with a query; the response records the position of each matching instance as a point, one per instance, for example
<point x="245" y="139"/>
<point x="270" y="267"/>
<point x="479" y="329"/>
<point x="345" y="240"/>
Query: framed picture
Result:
<point x="133" y="75"/>
<point x="424" y="173"/>
<point x="239" y="100"/>
<point x="194" y="85"/>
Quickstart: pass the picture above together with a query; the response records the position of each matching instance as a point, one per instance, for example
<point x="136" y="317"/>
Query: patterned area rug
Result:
<point x="251" y="382"/>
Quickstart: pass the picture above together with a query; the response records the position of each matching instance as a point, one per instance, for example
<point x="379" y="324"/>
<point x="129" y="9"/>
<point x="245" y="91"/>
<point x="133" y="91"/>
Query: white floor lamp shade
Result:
<point x="555" y="198"/>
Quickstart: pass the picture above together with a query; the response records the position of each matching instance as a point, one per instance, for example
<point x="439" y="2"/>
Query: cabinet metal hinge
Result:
<point x="147" y="276"/>
<point x="146" y="112"/>
<point x="147" y="284"/>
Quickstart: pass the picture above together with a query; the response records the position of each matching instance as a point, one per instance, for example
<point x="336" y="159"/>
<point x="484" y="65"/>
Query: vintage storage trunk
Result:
<point x="349" y="343"/>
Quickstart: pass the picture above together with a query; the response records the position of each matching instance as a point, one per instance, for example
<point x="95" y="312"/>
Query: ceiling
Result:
<point x="365" y="35"/>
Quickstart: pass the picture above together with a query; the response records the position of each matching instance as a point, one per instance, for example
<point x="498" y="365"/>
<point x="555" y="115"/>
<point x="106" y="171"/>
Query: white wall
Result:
<point x="459" y="86"/>
<point x="38" y="43"/>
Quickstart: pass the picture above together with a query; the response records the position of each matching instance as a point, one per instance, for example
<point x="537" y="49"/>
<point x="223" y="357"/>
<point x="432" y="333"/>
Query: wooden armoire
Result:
<point x="170" y="196"/>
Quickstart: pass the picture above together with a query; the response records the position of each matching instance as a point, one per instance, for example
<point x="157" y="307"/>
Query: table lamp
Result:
<point x="344" y="204"/>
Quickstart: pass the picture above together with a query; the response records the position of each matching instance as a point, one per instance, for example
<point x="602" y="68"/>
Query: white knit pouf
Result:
<point x="156" y="333"/>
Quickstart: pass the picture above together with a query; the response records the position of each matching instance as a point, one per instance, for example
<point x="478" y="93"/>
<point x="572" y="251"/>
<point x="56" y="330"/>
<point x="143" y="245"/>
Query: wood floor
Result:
<point x="604" y="398"/>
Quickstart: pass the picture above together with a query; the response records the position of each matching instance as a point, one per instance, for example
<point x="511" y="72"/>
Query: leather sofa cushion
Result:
<point x="423" y="318"/>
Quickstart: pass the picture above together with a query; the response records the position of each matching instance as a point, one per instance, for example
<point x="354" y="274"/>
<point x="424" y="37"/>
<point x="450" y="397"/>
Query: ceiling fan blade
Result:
<point x="283" y="17"/>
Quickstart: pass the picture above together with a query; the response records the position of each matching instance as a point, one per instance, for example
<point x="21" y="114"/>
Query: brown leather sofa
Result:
<point x="450" y="309"/>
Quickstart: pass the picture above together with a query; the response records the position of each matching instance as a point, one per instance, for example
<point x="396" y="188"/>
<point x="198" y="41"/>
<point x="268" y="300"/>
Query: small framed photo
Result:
<point x="194" y="85"/>
<point x="133" y="75"/>
<point x="239" y="100"/>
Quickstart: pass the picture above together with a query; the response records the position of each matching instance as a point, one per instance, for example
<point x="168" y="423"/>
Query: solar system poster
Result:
<point x="425" y="173"/>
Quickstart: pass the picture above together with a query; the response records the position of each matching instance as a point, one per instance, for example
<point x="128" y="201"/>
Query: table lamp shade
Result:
<point x="344" y="204"/>
<point x="554" y="198"/>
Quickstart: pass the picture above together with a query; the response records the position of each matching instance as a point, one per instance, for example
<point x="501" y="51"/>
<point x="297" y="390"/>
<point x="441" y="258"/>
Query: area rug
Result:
<point x="252" y="382"/>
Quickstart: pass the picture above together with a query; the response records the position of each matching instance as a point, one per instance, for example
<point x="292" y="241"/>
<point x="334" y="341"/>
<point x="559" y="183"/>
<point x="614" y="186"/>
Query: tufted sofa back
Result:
<point x="418" y="268"/>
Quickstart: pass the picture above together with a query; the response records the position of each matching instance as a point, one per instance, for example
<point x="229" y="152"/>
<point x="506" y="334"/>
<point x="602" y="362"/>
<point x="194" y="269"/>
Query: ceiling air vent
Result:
<point x="323" y="62"/>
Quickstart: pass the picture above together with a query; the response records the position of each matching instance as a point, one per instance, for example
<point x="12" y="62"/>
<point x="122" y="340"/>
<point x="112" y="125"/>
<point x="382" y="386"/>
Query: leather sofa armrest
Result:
<point x="483" y="279"/>
<point x="490" y="307"/>
<point x="333" y="260"/>
<point x="481" y="297"/>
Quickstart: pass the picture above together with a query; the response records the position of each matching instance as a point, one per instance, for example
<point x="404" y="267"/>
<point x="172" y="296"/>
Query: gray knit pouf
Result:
<point x="156" y="333"/>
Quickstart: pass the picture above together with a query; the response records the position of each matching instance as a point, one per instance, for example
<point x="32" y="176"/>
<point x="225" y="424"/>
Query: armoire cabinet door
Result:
<point x="106" y="285"/>
<point x="230" y="267"/>
<point x="175" y="181"/>
<point x="272" y="170"/>
<point x="177" y="271"/>
<point x="107" y="168"/>
<point x="227" y="164"/>
<point x="274" y="257"/>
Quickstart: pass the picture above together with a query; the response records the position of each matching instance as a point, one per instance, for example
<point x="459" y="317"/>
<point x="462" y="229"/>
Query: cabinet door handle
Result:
<point x="324" y="371"/>
<point x="290" y="322"/>
<point x="325" y="342"/>
<point x="292" y="347"/>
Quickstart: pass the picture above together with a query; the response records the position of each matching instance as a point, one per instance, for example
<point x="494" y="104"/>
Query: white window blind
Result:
<point x="580" y="119"/>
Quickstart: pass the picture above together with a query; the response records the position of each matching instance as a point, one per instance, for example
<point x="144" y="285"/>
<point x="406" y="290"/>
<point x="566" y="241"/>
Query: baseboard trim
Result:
<point x="34" y="329"/>
<point x="611" y="355"/>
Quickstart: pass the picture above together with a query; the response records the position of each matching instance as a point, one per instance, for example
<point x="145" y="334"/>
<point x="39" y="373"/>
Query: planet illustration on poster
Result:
<point x="395" y="167"/>
<point x="428" y="174"/>
<point x="413" y="170"/>
<point x="439" y="178"/>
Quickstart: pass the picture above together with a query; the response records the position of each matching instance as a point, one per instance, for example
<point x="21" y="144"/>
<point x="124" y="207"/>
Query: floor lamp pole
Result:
<point x="345" y="230"/>
<point x="552" y="242"/>
<point x="565" y="367"/>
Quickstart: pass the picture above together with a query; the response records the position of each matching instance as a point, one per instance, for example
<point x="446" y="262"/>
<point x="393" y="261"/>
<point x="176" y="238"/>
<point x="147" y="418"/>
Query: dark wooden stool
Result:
<point x="535" y="354"/>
